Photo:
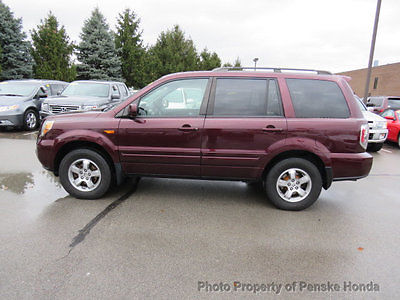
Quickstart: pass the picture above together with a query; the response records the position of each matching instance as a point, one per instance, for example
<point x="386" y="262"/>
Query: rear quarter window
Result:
<point x="317" y="99"/>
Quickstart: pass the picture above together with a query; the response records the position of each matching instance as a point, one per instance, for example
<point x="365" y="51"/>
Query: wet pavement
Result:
<point x="169" y="238"/>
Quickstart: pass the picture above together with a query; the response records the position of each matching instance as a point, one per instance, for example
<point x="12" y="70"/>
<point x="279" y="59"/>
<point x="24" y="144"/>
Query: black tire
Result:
<point x="277" y="170"/>
<point x="374" y="147"/>
<point x="98" y="160"/>
<point x="398" y="140"/>
<point x="31" y="119"/>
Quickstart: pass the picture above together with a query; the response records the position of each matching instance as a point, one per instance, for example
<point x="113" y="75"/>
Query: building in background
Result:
<point x="385" y="80"/>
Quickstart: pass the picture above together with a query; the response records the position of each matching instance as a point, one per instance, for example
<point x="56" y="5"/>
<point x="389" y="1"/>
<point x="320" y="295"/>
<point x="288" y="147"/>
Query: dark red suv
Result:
<point x="295" y="132"/>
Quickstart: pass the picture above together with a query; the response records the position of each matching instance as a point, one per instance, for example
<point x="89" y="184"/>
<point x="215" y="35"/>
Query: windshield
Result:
<point x="394" y="103"/>
<point x="86" y="89"/>
<point x="21" y="89"/>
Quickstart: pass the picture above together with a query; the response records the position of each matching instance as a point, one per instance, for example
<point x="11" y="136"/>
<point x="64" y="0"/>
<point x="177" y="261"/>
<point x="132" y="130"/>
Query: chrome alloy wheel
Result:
<point x="84" y="175"/>
<point x="31" y="120"/>
<point x="294" y="185"/>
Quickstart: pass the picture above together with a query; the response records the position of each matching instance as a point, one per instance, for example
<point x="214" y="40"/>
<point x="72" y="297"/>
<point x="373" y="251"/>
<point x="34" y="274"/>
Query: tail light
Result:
<point x="364" y="133"/>
<point x="381" y="110"/>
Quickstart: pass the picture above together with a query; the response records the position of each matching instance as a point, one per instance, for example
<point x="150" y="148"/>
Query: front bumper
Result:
<point x="45" y="153"/>
<point x="12" y="120"/>
<point x="377" y="135"/>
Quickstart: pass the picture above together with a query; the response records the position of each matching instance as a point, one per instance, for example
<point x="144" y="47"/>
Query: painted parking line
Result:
<point x="388" y="151"/>
<point x="28" y="133"/>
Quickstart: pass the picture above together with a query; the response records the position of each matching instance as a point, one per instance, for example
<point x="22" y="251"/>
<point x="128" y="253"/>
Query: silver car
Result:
<point x="20" y="101"/>
<point x="377" y="128"/>
<point x="85" y="95"/>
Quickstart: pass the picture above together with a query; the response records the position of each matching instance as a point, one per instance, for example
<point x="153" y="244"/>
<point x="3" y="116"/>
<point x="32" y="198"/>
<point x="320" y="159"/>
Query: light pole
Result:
<point x="371" y="52"/>
<point x="255" y="62"/>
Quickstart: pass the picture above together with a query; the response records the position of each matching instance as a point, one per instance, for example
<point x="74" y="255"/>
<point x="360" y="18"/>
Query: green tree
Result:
<point x="129" y="44"/>
<point x="96" y="52"/>
<point x="16" y="60"/>
<point x="173" y="53"/>
<point x="52" y="51"/>
<point x="1" y="56"/>
<point x="236" y="64"/>
<point x="209" y="61"/>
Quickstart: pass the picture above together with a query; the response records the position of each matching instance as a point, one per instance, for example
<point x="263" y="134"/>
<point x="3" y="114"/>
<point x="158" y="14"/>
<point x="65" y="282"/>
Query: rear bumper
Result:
<point x="350" y="166"/>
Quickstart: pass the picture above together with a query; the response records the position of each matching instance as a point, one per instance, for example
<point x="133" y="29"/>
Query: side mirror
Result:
<point x="133" y="110"/>
<point x="391" y="118"/>
<point x="115" y="96"/>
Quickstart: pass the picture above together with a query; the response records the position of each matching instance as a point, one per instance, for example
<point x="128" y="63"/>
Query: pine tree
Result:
<point x="237" y="63"/>
<point x="96" y="52"/>
<point x="52" y="51"/>
<point x="129" y="44"/>
<point x="174" y="53"/>
<point x="16" y="60"/>
<point x="1" y="56"/>
<point x="209" y="61"/>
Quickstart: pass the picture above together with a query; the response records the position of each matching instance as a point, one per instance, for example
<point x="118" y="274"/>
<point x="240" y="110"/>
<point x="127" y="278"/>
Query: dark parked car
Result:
<point x="85" y="95"/>
<point x="20" y="101"/>
<point x="378" y="104"/>
<point x="296" y="132"/>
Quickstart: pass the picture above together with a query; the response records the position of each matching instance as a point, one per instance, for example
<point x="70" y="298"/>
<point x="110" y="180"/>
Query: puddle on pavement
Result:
<point x="37" y="189"/>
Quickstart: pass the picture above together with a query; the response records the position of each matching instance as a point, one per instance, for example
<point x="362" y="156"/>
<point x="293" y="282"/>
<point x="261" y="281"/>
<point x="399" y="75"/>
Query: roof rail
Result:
<point x="274" y="69"/>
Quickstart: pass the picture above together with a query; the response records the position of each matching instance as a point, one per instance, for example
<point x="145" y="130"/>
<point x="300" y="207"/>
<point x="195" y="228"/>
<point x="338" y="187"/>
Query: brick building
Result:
<point x="385" y="80"/>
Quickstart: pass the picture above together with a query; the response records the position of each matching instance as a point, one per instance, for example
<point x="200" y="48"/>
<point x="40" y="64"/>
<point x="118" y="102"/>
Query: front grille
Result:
<point x="55" y="109"/>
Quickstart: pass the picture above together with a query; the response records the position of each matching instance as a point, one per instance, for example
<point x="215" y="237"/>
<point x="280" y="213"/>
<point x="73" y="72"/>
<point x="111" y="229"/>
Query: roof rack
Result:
<point x="276" y="70"/>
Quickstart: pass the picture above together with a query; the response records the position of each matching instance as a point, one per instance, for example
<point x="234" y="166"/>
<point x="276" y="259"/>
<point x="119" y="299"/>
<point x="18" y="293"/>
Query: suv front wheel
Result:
<point x="293" y="184"/>
<point x="85" y="174"/>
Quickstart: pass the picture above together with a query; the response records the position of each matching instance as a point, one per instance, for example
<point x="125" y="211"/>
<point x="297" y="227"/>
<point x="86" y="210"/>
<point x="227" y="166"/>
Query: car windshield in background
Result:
<point x="17" y="88"/>
<point x="86" y="89"/>
<point x="375" y="101"/>
<point x="394" y="103"/>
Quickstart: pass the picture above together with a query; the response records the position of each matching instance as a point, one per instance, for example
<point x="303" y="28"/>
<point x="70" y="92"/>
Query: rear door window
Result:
<point x="246" y="97"/>
<point x="317" y="99"/>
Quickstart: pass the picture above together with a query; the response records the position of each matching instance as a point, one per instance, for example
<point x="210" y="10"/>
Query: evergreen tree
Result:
<point x="209" y="61"/>
<point x="129" y="44"/>
<point x="52" y="51"/>
<point x="1" y="56"/>
<point x="16" y="61"/>
<point x="96" y="52"/>
<point x="237" y="64"/>
<point x="174" y="53"/>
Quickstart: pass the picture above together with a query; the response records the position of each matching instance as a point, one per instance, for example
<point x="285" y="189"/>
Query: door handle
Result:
<point x="271" y="128"/>
<point x="187" y="127"/>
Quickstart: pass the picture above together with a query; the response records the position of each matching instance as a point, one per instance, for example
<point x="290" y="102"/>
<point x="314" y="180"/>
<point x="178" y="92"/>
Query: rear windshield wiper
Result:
<point x="11" y="95"/>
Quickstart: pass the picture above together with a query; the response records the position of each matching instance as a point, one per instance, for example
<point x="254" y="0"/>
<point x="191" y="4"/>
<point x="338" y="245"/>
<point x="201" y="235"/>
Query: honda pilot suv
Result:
<point x="295" y="131"/>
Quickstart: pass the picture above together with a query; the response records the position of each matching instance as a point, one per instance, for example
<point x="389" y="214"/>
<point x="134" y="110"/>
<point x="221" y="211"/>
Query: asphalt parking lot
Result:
<point x="174" y="239"/>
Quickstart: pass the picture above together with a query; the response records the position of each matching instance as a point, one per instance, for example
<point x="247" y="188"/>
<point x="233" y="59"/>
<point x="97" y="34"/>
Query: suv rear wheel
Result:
<point x="293" y="184"/>
<point x="85" y="174"/>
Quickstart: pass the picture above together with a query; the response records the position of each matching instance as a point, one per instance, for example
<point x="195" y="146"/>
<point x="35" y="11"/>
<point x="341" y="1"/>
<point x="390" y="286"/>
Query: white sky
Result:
<point x="334" y="35"/>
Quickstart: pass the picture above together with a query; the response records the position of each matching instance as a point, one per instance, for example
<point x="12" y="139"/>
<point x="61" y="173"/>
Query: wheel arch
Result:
<point x="73" y="145"/>
<point x="326" y="172"/>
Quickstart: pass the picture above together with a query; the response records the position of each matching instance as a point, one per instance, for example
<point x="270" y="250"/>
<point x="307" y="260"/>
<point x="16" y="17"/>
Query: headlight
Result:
<point x="89" y="107"/>
<point x="381" y="124"/>
<point x="8" y="108"/>
<point x="46" y="127"/>
<point x="45" y="106"/>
